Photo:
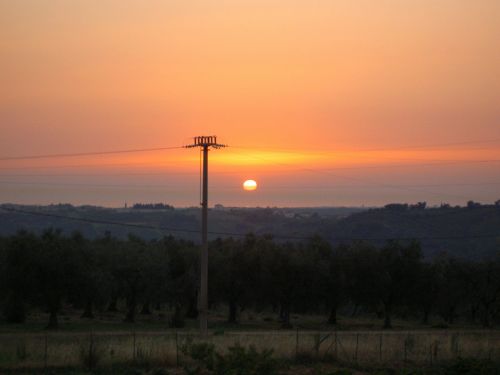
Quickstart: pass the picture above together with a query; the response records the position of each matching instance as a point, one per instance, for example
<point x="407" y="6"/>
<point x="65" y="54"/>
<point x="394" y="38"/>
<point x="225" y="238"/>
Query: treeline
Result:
<point x="423" y="205"/>
<point x="51" y="270"/>
<point x="152" y="206"/>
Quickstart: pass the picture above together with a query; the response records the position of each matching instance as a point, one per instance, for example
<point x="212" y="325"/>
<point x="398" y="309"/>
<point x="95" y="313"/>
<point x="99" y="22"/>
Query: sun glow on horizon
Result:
<point x="250" y="185"/>
<point x="373" y="95"/>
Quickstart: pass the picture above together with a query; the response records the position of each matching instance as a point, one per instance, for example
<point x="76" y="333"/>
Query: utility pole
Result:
<point x="204" y="142"/>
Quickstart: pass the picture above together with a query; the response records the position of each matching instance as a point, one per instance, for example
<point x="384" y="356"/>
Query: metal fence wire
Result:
<point x="94" y="349"/>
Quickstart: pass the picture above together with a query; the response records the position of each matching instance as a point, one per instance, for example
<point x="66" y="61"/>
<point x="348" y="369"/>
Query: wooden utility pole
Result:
<point x="204" y="142"/>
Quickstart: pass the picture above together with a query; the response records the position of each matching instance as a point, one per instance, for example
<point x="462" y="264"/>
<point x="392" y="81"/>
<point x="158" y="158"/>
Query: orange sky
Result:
<point x="303" y="90"/>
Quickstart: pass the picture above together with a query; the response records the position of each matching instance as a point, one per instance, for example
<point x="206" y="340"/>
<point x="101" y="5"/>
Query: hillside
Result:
<point x="433" y="226"/>
<point x="477" y="222"/>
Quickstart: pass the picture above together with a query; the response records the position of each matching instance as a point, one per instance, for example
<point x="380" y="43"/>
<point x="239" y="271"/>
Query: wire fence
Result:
<point x="91" y="350"/>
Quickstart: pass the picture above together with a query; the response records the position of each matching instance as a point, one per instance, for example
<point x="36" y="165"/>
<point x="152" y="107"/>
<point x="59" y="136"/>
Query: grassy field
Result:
<point x="149" y="346"/>
<point x="364" y="348"/>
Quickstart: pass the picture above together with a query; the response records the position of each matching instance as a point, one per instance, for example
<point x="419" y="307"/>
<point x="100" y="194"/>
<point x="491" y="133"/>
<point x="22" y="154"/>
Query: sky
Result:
<point x="323" y="103"/>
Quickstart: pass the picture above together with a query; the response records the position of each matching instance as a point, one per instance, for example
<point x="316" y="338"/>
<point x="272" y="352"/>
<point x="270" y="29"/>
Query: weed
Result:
<point x="242" y="361"/>
<point x="341" y="372"/>
<point x="472" y="366"/>
<point x="90" y="356"/>
<point x="304" y="358"/>
<point x="21" y="354"/>
<point x="159" y="371"/>
<point x="203" y="355"/>
<point x="142" y="358"/>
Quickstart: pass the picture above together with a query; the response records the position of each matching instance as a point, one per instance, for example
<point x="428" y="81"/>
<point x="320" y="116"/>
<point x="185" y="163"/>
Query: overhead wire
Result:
<point x="324" y="171"/>
<point x="429" y="162"/>
<point x="91" y="153"/>
<point x="137" y="150"/>
<point x="234" y="187"/>
<point x="166" y="173"/>
<point x="387" y="186"/>
<point x="408" y="147"/>
<point x="318" y="170"/>
<point x="456" y="162"/>
<point x="235" y="234"/>
<point x="64" y="166"/>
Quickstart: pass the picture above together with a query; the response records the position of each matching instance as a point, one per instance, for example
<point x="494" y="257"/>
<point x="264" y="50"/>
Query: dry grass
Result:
<point x="151" y="343"/>
<point x="147" y="349"/>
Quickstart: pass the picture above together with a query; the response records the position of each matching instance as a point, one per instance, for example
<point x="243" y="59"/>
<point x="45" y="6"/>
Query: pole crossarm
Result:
<point x="205" y="141"/>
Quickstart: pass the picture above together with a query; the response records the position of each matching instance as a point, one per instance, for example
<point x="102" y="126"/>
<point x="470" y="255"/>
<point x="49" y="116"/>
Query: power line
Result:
<point x="436" y="145"/>
<point x="408" y="147"/>
<point x="429" y="164"/>
<point x="69" y="155"/>
<point x="63" y="166"/>
<point x="386" y="186"/>
<point x="96" y="221"/>
<point x="164" y="174"/>
<point x="169" y="229"/>
<point x="59" y="166"/>
<point x="124" y="186"/>
<point x="235" y="187"/>
<point x="91" y="153"/>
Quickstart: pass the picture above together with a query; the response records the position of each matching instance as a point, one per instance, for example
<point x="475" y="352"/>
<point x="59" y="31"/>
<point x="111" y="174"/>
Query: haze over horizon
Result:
<point x="330" y="103"/>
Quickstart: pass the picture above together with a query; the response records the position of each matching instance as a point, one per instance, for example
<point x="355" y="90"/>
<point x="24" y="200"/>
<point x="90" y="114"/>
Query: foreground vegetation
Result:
<point x="250" y="361"/>
<point x="254" y="274"/>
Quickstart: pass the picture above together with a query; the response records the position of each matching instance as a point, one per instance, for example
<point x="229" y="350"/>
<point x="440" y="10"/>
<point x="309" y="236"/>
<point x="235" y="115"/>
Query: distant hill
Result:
<point x="333" y="223"/>
<point x="431" y="225"/>
<point x="95" y="221"/>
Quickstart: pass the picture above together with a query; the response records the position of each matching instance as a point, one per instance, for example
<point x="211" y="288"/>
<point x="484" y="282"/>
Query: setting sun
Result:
<point x="250" y="185"/>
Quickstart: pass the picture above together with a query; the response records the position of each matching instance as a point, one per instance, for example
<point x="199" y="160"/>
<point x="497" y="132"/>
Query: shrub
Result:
<point x="341" y="372"/>
<point x="90" y="356"/>
<point x="473" y="366"/>
<point x="237" y="361"/>
<point x="21" y="354"/>
<point x="160" y="371"/>
<point x="304" y="358"/>
<point x="241" y="361"/>
<point x="203" y="354"/>
<point x="142" y="357"/>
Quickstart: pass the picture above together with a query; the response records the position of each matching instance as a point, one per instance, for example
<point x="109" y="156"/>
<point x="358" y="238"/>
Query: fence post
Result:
<point x="430" y="353"/>
<point x="177" y="348"/>
<point x="406" y="347"/>
<point x="357" y="345"/>
<point x="91" y="349"/>
<point x="435" y="352"/>
<point x="489" y="346"/>
<point x="133" y="345"/>
<point x="296" y="343"/>
<point x="380" y="349"/>
<point x="336" y="344"/>
<point x="317" y="343"/>
<point x="45" y="352"/>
